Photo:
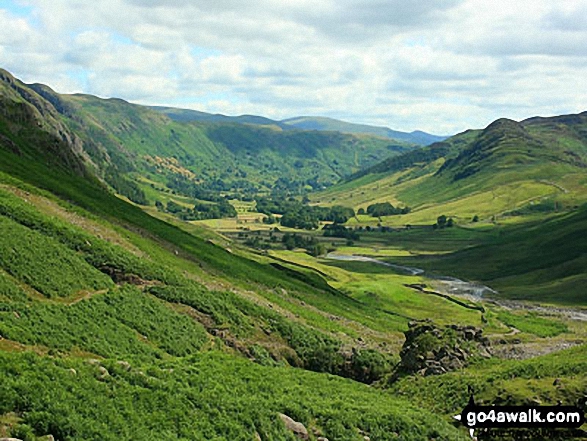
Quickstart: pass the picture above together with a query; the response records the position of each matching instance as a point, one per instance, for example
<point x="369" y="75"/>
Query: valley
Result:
<point x="174" y="275"/>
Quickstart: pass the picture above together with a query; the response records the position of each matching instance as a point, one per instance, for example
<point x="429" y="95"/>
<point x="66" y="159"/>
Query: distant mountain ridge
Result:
<point x="323" y="123"/>
<point x="318" y="123"/>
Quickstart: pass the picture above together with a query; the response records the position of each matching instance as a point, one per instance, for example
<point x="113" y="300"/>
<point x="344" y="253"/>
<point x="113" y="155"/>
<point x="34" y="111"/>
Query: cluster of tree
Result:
<point x="270" y="220"/>
<point x="204" y="192"/>
<point x="443" y="222"/>
<point x="384" y="209"/>
<point x="296" y="214"/>
<point x="125" y="187"/>
<point x="336" y="230"/>
<point x="313" y="246"/>
<point x="200" y="211"/>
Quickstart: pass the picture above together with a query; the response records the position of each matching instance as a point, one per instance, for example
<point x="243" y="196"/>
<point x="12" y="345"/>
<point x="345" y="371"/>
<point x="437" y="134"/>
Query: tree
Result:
<point x="441" y="221"/>
<point x="475" y="218"/>
<point x="361" y="211"/>
<point x="317" y="250"/>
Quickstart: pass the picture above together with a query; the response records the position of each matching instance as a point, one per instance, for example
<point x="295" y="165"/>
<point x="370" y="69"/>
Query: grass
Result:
<point x="533" y="324"/>
<point x="524" y="261"/>
<point x="45" y="264"/>
<point x="206" y="396"/>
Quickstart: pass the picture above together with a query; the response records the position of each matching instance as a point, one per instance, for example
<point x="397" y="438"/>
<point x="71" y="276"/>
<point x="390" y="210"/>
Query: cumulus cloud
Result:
<point x="441" y="66"/>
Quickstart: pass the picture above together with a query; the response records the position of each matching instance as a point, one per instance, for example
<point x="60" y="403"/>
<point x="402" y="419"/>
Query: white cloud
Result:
<point x="441" y="66"/>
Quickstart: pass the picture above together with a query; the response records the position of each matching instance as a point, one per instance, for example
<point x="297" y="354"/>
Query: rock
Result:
<point x="257" y="437"/>
<point x="10" y="439"/>
<point x="433" y="350"/>
<point x="321" y="438"/>
<point x="297" y="428"/>
<point x="469" y="334"/>
<point x="103" y="373"/>
<point x="434" y="370"/>
<point x="73" y="371"/>
<point x="124" y="364"/>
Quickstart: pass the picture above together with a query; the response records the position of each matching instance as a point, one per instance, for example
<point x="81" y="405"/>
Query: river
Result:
<point x="442" y="284"/>
<point x="473" y="291"/>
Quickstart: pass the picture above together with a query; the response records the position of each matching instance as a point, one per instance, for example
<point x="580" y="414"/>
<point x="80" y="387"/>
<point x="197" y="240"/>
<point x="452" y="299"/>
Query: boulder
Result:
<point x="103" y="373"/>
<point x="434" y="350"/>
<point x="297" y="428"/>
<point x="124" y="364"/>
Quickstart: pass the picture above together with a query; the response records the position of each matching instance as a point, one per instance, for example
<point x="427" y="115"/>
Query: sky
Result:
<point x="442" y="66"/>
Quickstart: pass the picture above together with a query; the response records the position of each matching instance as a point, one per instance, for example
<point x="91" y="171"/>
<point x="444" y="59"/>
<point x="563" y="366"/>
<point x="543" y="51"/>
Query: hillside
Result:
<point x="144" y="154"/>
<point x="466" y="174"/>
<point x="508" y="188"/>
<point x="116" y="325"/>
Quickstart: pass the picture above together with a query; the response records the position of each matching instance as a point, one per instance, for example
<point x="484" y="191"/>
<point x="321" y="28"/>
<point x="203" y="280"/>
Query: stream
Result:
<point x="473" y="291"/>
<point x="442" y="284"/>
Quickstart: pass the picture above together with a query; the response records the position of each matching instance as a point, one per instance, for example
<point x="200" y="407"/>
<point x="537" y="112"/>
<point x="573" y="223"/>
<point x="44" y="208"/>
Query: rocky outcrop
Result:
<point x="431" y="350"/>
<point x="297" y="428"/>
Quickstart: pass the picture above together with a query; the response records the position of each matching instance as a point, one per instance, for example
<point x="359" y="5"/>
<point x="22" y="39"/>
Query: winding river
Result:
<point x="458" y="287"/>
<point x="442" y="284"/>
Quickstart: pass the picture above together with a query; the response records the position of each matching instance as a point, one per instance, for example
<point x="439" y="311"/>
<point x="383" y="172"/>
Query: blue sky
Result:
<point x="441" y="66"/>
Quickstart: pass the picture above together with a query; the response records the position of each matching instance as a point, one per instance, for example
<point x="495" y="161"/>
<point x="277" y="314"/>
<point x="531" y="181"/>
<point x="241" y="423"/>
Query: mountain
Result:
<point x="329" y="124"/>
<point x="137" y="149"/>
<point x="117" y="325"/>
<point x="544" y="156"/>
<point x="303" y="123"/>
<point x="521" y="183"/>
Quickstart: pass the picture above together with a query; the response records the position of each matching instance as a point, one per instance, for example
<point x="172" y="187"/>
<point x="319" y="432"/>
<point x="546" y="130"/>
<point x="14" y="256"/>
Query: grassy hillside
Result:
<point x="543" y="260"/>
<point x="116" y="325"/>
<point x="125" y="144"/>
<point x="514" y="188"/>
<point x="547" y="153"/>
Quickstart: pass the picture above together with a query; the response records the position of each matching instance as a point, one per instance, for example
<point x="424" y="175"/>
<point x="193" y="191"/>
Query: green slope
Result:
<point x="547" y="151"/>
<point x="127" y="144"/>
<point x="116" y="325"/>
<point x="515" y="178"/>
<point x="542" y="260"/>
